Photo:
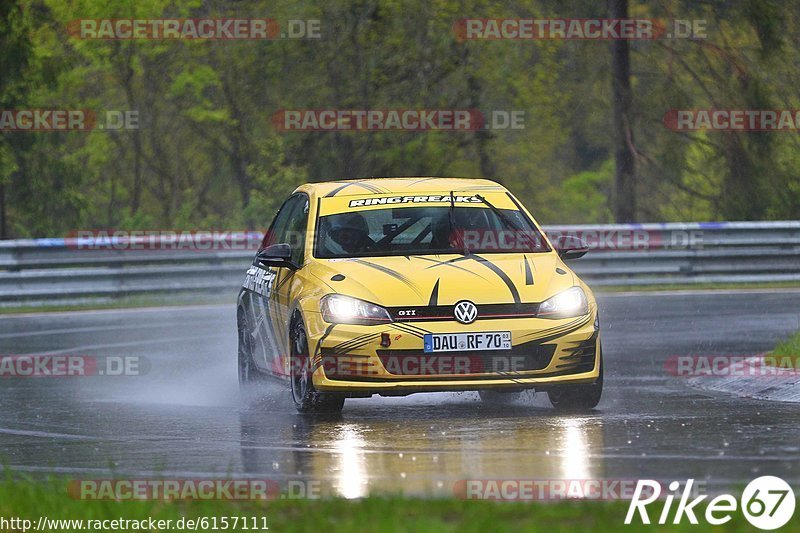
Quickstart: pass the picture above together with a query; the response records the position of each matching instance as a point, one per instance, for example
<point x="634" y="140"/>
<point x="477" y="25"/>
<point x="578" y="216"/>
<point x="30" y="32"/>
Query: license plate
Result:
<point x="467" y="342"/>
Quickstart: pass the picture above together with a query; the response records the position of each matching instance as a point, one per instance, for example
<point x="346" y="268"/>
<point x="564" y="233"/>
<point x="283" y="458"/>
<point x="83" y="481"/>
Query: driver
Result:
<point x="350" y="232"/>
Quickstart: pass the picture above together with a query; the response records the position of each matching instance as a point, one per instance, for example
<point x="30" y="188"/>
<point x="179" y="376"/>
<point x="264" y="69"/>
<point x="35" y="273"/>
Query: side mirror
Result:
<point x="570" y="247"/>
<point x="276" y="255"/>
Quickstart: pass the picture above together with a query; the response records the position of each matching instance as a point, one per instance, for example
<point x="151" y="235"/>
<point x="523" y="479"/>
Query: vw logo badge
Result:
<point x="465" y="312"/>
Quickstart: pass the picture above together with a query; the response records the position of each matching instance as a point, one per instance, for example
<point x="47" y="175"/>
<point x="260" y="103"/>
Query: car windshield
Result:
<point x="426" y="230"/>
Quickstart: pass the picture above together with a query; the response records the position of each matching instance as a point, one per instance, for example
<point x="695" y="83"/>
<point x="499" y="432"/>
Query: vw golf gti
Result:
<point x="394" y="286"/>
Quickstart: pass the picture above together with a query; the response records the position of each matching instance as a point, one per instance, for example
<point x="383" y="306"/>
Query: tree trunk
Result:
<point x="625" y="176"/>
<point x="3" y="228"/>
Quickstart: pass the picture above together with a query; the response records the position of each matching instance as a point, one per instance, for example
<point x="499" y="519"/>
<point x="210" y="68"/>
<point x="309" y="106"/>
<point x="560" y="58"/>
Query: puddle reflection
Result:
<point x="421" y="450"/>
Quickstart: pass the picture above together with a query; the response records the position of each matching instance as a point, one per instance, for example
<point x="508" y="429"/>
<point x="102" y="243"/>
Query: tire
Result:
<point x="307" y="399"/>
<point x="249" y="375"/>
<point x="499" y="398"/>
<point x="581" y="397"/>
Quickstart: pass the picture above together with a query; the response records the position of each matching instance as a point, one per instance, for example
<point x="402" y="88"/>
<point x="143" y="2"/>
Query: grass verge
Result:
<point x="786" y="354"/>
<point x="695" y="286"/>
<point x="126" y="302"/>
<point x="30" y="499"/>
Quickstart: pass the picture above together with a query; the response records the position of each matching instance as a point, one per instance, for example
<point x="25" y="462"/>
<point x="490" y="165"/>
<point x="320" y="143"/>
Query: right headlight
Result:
<point x="566" y="304"/>
<point x="341" y="309"/>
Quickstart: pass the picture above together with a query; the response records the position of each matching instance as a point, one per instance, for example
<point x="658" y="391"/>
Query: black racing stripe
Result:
<point x="434" y="299"/>
<point x="270" y="325"/>
<point x="557" y="332"/>
<point x="367" y="186"/>
<point x="457" y="259"/>
<point x="450" y="264"/>
<point x="356" y="346"/>
<point x="555" y="329"/>
<point x="283" y="280"/>
<point x="362" y="343"/>
<point x="411" y="326"/>
<point x="502" y="275"/>
<point x="318" y="349"/>
<point x="389" y="272"/>
<point x="528" y="273"/>
<point x="404" y="329"/>
<point x="337" y="189"/>
<point x="414" y="333"/>
<point x="277" y="297"/>
<point x="345" y="344"/>
<point x="373" y="188"/>
<point x="420" y="181"/>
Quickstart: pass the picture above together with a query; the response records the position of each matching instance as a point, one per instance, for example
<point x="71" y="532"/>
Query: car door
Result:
<point x="262" y="304"/>
<point x="295" y="236"/>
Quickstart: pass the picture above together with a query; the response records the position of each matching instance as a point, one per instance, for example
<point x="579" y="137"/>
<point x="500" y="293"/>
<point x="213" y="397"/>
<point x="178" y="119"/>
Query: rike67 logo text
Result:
<point x="767" y="502"/>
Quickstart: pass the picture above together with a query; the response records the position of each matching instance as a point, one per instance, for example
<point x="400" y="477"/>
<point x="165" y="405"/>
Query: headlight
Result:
<point x="571" y="302"/>
<point x="340" y="309"/>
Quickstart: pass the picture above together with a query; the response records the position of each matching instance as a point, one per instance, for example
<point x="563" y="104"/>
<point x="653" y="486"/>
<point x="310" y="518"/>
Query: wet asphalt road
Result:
<point x="185" y="417"/>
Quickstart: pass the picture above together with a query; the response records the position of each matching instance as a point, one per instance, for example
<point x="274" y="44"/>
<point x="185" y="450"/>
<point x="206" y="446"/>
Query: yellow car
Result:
<point x="393" y="286"/>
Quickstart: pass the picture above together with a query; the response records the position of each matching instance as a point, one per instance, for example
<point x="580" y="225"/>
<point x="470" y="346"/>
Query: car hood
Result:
<point x="446" y="279"/>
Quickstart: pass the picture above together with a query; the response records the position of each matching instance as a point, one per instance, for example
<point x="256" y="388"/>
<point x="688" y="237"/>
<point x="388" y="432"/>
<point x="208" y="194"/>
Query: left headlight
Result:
<point x="571" y="302"/>
<point x="340" y="309"/>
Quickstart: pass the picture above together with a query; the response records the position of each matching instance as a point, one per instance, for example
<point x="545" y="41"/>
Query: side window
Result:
<point x="296" y="229"/>
<point x="277" y="230"/>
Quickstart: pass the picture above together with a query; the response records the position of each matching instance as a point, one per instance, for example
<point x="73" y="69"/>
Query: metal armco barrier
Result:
<point x="621" y="255"/>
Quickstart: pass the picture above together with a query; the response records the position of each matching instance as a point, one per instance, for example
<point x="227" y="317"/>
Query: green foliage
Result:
<point x="206" y="152"/>
<point x="29" y="499"/>
<point x="586" y="196"/>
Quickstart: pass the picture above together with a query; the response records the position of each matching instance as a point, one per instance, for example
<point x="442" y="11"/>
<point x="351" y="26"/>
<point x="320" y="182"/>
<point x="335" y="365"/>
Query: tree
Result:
<point x="624" y="152"/>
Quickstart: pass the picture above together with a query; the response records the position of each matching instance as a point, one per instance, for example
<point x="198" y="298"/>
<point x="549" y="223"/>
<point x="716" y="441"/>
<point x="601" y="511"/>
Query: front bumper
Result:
<point x="352" y="359"/>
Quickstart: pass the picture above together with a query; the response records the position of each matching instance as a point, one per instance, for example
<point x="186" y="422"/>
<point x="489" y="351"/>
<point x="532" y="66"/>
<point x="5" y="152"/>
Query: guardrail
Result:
<point x="621" y="255"/>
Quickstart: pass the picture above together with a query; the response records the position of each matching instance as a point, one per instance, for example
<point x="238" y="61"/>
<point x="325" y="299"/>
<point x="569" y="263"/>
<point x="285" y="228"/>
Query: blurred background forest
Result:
<point x="207" y="156"/>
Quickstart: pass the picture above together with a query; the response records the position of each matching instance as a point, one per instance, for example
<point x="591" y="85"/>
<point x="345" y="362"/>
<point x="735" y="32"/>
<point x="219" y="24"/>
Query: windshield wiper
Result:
<point x="534" y="238"/>
<point x="502" y="216"/>
<point x="452" y="217"/>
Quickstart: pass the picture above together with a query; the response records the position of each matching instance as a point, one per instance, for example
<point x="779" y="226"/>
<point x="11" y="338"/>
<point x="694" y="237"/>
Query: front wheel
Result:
<point x="306" y="398"/>
<point x="581" y="397"/>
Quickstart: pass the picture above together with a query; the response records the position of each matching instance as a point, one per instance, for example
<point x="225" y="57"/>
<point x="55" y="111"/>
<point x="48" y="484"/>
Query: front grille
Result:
<point x="419" y="363"/>
<point x="445" y="312"/>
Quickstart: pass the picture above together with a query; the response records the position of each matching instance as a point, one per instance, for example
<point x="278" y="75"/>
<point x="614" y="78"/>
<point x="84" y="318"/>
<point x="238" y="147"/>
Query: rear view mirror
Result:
<point x="570" y="247"/>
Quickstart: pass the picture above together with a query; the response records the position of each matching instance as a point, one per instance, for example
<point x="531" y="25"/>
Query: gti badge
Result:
<point x="465" y="312"/>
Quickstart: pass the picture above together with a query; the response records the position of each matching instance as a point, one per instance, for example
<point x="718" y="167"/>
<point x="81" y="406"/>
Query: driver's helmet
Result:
<point x="350" y="231"/>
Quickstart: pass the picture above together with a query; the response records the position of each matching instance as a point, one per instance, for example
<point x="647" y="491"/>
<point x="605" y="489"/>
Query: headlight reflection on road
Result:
<point x="351" y="470"/>
<point x="576" y="449"/>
